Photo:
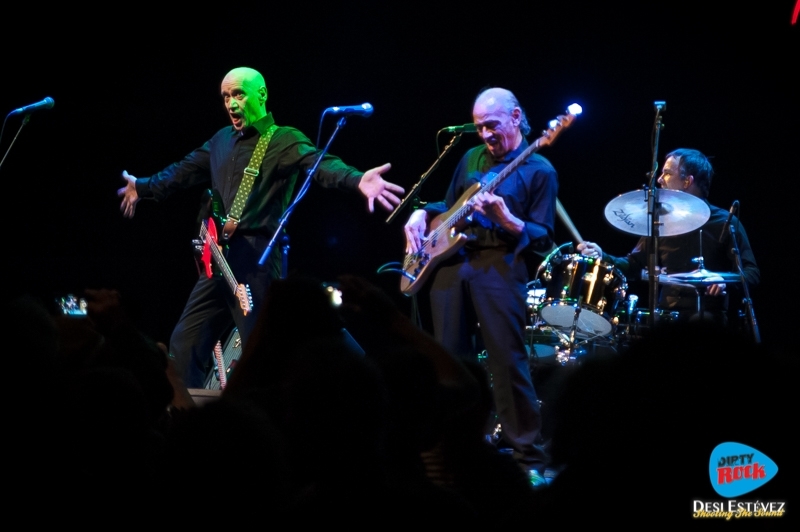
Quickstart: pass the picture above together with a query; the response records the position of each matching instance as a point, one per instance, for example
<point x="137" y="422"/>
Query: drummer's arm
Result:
<point x="716" y="289"/>
<point x="593" y="250"/>
<point x="590" y="249"/>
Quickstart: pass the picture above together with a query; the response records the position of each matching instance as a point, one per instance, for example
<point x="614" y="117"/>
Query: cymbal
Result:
<point x="700" y="278"/>
<point x="680" y="212"/>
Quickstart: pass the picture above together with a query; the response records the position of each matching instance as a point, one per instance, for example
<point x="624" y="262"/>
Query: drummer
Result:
<point x="690" y="171"/>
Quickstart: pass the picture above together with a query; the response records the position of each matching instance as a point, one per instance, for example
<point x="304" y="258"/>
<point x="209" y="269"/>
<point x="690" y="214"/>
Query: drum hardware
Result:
<point x="632" y="323"/>
<point x="545" y="268"/>
<point x="569" y="356"/>
<point x="570" y="350"/>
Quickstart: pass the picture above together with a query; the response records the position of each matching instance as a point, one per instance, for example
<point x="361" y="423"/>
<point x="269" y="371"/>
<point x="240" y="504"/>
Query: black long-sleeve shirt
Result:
<point x="221" y="161"/>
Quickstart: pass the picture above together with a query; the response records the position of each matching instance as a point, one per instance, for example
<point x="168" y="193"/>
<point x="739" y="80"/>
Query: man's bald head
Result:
<point x="505" y="99"/>
<point x="499" y="120"/>
<point x="496" y="96"/>
<point x="245" y="95"/>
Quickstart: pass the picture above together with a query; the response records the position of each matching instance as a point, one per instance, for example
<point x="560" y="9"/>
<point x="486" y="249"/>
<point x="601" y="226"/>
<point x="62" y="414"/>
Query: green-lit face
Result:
<point x="244" y="98"/>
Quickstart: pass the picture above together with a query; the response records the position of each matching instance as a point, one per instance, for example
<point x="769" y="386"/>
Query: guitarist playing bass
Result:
<point x="483" y="282"/>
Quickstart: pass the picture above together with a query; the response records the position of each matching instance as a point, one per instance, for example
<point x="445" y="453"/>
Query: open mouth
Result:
<point x="236" y="118"/>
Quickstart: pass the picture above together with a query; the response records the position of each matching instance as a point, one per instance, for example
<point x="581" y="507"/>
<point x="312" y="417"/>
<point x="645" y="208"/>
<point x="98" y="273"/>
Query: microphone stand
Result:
<point x="306" y="184"/>
<point x="748" y="303"/>
<point x="24" y="122"/>
<point x="653" y="208"/>
<point x="414" y="190"/>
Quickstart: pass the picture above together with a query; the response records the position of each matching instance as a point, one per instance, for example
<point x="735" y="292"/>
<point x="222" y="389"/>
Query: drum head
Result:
<point x="561" y="313"/>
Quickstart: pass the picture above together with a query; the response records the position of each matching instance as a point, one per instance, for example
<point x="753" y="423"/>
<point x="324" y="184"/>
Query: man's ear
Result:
<point x="688" y="181"/>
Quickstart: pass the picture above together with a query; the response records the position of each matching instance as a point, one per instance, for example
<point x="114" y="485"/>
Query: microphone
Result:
<point x="365" y="109"/>
<point x="465" y="128"/>
<point x="47" y="103"/>
<point x="734" y="206"/>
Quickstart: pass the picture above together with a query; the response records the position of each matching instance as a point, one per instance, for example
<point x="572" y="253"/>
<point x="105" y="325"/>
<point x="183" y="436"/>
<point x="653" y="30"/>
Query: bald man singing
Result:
<point x="485" y="282"/>
<point x="220" y="164"/>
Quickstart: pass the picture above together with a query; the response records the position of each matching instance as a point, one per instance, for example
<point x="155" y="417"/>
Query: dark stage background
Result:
<point x="139" y="90"/>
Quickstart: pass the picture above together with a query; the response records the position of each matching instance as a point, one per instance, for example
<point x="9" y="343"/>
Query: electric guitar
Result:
<point x="211" y="259"/>
<point x="445" y="235"/>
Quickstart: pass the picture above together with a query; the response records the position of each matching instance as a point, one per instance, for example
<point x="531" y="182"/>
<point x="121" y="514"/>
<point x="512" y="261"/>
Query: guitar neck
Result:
<point x="505" y="172"/>
<point x="491" y="185"/>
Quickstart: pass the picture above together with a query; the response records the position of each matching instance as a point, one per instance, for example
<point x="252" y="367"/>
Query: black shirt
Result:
<point x="221" y="161"/>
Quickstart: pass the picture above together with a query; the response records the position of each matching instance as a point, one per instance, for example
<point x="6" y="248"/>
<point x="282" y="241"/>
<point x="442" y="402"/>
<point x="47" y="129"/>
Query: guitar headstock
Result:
<point x="558" y="124"/>
<point x="245" y="298"/>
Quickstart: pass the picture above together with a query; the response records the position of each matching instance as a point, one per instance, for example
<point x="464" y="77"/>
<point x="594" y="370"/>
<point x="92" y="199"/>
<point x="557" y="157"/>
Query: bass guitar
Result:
<point x="211" y="259"/>
<point x="445" y="231"/>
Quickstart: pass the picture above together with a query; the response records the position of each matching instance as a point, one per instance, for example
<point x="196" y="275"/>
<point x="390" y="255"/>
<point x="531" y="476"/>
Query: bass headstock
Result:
<point x="555" y="126"/>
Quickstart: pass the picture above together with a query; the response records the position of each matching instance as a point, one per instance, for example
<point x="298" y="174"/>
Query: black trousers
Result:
<point x="212" y="308"/>
<point x="488" y="289"/>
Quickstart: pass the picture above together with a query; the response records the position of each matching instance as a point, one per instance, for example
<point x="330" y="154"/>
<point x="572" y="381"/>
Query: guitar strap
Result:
<point x="249" y="178"/>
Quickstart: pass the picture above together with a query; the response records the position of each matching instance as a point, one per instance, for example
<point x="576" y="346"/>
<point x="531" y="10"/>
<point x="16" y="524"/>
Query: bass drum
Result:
<point x="585" y="286"/>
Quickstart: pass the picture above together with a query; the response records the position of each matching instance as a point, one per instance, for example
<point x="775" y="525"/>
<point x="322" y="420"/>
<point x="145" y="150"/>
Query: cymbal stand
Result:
<point x="653" y="208"/>
<point x="701" y="290"/>
<point x="748" y="303"/>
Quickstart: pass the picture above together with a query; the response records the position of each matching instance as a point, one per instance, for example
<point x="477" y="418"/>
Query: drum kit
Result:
<point x="577" y="302"/>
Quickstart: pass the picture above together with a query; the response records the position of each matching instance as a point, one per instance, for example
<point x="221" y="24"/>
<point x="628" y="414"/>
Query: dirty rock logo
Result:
<point x="736" y="469"/>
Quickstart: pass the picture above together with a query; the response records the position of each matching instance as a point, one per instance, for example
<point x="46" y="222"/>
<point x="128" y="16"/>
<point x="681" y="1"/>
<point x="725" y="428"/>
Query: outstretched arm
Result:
<point x="129" y="195"/>
<point x="374" y="187"/>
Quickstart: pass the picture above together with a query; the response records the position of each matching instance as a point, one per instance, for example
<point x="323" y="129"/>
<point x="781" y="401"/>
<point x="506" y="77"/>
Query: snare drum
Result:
<point x="579" y="283"/>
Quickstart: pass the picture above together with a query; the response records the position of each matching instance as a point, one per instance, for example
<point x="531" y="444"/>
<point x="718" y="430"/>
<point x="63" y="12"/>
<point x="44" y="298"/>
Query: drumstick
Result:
<point x="562" y="214"/>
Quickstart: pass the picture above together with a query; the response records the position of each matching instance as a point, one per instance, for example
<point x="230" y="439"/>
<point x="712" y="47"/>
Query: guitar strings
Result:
<point x="467" y="207"/>
<point x="206" y="236"/>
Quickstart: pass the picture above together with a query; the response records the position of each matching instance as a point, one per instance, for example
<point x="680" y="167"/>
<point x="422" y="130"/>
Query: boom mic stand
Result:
<point x="415" y="189"/>
<point x="302" y="192"/>
<point x="653" y="208"/>
<point x="24" y="122"/>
